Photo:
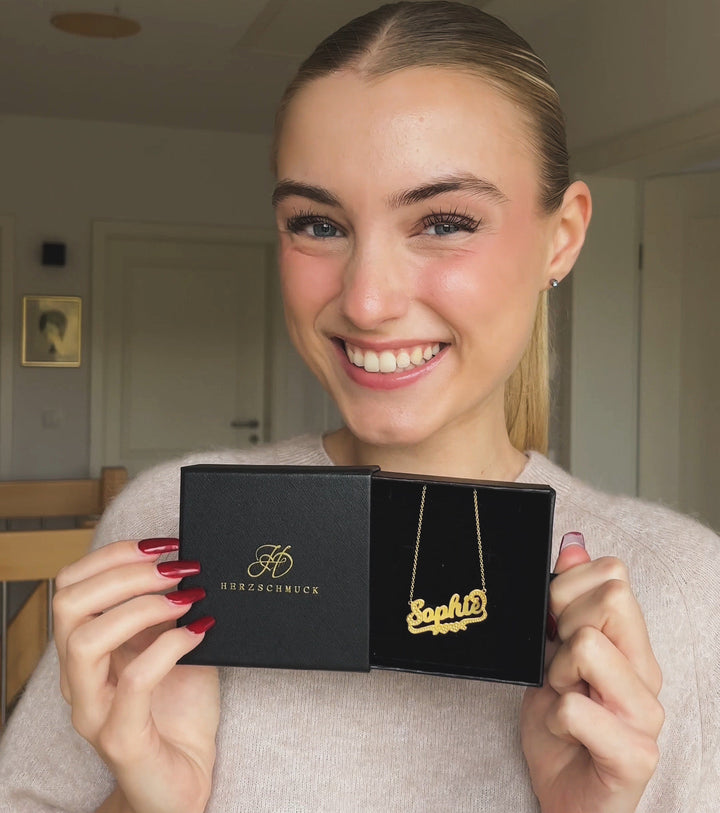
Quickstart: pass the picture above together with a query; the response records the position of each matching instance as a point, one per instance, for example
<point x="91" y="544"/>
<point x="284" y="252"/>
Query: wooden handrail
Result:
<point x="49" y="498"/>
<point x="35" y="555"/>
<point x="38" y="555"/>
<point x="60" y="498"/>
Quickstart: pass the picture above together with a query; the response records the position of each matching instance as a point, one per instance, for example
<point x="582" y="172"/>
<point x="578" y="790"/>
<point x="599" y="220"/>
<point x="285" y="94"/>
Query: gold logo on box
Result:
<point x="273" y="559"/>
<point x="269" y="587"/>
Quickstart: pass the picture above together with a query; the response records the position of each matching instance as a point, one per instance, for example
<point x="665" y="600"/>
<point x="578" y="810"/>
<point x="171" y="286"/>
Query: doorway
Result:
<point x="189" y="350"/>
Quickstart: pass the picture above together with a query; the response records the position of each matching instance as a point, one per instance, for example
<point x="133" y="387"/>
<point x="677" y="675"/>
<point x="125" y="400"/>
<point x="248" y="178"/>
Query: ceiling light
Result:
<point x="88" y="24"/>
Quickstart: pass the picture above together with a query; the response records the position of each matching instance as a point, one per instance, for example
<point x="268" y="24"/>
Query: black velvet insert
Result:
<point x="516" y="532"/>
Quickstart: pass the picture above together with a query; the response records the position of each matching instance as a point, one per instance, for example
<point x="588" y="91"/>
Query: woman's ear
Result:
<point x="571" y="223"/>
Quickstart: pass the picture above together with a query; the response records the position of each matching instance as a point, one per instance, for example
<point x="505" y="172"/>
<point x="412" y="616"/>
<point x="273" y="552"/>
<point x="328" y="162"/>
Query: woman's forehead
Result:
<point x="410" y="124"/>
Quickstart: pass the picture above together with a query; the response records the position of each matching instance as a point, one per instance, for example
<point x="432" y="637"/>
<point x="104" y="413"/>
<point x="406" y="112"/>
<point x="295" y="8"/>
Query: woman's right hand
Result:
<point x="152" y="722"/>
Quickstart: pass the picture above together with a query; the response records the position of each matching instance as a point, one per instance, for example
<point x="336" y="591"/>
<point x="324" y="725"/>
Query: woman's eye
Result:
<point x="444" y="228"/>
<point x="323" y="230"/>
<point x="439" y="224"/>
<point x="313" y="226"/>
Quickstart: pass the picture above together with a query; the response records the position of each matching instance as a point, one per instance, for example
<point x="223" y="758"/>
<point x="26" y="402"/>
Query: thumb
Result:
<point x="572" y="552"/>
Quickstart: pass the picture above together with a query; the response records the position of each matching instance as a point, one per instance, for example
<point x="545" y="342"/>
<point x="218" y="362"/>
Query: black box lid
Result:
<point x="273" y="580"/>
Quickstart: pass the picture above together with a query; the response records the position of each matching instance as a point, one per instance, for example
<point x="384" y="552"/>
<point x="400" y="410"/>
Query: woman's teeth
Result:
<point x="389" y="361"/>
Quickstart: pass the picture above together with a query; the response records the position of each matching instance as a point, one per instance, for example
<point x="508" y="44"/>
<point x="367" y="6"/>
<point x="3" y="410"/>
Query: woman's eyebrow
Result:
<point x="284" y="189"/>
<point x="450" y="183"/>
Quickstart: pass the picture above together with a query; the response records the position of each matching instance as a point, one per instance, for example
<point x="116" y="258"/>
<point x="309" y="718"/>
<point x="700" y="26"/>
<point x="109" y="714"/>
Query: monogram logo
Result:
<point x="272" y="559"/>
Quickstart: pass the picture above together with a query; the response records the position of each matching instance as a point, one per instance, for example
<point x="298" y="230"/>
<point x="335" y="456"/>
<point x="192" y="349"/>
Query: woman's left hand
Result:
<point x="590" y="733"/>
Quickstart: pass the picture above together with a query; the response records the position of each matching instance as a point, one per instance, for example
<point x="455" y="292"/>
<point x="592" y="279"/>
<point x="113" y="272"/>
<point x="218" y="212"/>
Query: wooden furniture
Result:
<point x="37" y="555"/>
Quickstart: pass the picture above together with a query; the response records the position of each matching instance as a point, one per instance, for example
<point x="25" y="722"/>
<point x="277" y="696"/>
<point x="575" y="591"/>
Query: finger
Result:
<point x="84" y="600"/>
<point x="129" y="723"/>
<point x="78" y="597"/>
<point x="590" y="658"/>
<point x="89" y="646"/>
<point x="114" y="555"/>
<point x="81" y="601"/>
<point x="612" y="609"/>
<point x="572" y="552"/>
<point x="582" y="578"/>
<point x="624" y="757"/>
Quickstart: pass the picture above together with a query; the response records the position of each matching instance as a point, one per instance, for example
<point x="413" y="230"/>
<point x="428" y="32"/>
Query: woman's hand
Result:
<point x="590" y="733"/>
<point x="151" y="721"/>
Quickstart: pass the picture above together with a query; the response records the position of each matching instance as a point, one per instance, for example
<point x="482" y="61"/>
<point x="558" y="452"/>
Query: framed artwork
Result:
<point x="51" y="331"/>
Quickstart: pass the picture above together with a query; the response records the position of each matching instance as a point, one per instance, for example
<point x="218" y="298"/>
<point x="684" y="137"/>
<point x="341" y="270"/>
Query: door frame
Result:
<point x="103" y="231"/>
<point x="7" y="340"/>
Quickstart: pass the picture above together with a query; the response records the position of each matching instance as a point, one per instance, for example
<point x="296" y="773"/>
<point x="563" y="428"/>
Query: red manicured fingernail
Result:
<point x="201" y="625"/>
<point x="573" y="539"/>
<point x="189" y="596"/>
<point x="551" y="627"/>
<point x="158" y="545"/>
<point x="178" y="570"/>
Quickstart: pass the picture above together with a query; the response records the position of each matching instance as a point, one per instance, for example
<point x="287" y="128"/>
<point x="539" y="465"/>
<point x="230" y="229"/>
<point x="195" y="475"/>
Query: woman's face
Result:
<point x="52" y="333"/>
<point x="412" y="248"/>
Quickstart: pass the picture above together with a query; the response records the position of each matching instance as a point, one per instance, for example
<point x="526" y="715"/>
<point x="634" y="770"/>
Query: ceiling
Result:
<point x="208" y="64"/>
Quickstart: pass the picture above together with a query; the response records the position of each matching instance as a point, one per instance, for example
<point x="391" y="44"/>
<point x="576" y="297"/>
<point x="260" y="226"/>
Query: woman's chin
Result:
<point x="388" y="433"/>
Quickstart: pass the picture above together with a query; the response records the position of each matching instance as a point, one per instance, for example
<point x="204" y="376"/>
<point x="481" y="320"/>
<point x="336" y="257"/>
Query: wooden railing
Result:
<point x="38" y="555"/>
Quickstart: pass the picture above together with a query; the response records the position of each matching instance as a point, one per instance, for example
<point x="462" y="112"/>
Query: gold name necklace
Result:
<point x="442" y="619"/>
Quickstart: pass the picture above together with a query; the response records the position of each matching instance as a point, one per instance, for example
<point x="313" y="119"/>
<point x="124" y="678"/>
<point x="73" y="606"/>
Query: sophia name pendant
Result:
<point x="441" y="619"/>
<point x="456" y="615"/>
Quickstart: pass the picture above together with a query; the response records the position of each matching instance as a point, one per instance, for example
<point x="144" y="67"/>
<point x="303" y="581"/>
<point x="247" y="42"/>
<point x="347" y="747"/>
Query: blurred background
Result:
<point x="147" y="157"/>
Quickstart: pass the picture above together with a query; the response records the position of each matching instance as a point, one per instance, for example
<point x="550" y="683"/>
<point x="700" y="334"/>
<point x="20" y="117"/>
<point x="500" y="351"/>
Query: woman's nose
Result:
<point x="375" y="289"/>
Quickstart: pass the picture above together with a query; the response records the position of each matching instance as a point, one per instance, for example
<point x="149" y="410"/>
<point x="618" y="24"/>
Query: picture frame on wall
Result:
<point x="51" y="328"/>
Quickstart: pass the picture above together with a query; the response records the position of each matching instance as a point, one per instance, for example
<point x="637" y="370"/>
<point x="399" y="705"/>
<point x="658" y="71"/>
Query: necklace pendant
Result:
<point x="451" y="617"/>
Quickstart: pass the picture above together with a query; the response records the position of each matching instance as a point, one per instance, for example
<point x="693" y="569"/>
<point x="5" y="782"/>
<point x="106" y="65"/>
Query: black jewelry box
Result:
<point x="315" y="568"/>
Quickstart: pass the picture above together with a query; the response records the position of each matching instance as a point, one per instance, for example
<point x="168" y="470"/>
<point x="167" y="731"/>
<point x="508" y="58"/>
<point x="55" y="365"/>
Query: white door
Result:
<point x="183" y="346"/>
<point x="679" y="426"/>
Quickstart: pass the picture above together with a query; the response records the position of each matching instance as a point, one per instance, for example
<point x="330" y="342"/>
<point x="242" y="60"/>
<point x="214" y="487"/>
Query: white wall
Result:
<point x="680" y="376"/>
<point x="620" y="66"/>
<point x="604" y="344"/>
<point x="60" y="175"/>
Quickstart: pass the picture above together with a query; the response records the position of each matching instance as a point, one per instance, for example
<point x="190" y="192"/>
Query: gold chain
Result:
<point x="417" y="544"/>
<point x="479" y="539"/>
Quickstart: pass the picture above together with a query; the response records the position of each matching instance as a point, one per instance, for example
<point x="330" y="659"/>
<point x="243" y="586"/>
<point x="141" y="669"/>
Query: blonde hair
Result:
<point x="453" y="35"/>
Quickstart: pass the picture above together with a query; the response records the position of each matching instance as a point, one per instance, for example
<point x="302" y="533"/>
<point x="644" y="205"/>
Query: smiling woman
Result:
<point x="433" y="235"/>
<point x="424" y="210"/>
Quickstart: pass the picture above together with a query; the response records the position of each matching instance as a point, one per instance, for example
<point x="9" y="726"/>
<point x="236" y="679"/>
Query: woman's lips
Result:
<point x="388" y="369"/>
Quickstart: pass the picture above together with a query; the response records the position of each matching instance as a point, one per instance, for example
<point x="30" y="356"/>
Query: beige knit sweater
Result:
<point x="386" y="741"/>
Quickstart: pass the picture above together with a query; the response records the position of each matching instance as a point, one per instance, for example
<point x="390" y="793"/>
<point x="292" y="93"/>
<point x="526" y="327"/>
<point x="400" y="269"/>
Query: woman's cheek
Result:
<point x="466" y="283"/>
<point x="308" y="282"/>
<point x="488" y="296"/>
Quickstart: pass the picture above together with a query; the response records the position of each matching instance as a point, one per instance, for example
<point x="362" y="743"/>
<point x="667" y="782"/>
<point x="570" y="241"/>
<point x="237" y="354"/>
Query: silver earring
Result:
<point x="554" y="283"/>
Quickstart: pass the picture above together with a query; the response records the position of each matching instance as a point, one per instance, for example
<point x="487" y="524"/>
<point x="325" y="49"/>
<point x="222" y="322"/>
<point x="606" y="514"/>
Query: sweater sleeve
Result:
<point x="44" y="764"/>
<point x="688" y="776"/>
<point x="703" y="595"/>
